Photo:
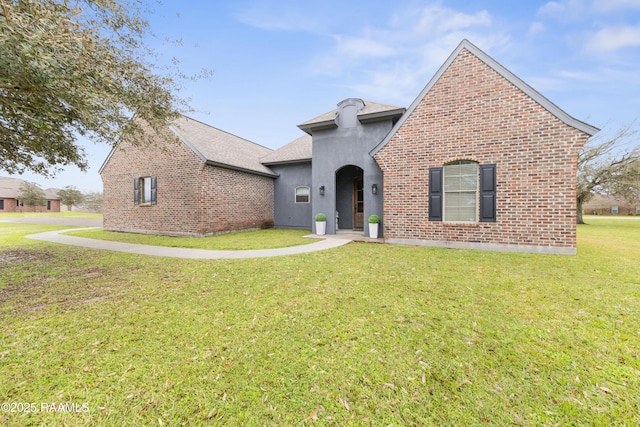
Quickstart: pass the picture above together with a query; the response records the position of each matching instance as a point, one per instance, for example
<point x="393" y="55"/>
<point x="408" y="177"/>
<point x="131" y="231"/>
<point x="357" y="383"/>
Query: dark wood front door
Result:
<point x="358" y="204"/>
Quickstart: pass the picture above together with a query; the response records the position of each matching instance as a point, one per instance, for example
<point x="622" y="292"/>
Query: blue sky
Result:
<point x="279" y="63"/>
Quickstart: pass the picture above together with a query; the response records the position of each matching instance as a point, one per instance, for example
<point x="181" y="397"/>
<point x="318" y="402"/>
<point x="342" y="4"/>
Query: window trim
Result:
<point x="308" y="195"/>
<point x="486" y="201"/>
<point x="140" y="193"/>
<point x="450" y="192"/>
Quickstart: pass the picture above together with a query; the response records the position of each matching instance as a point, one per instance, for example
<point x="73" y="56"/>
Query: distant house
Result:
<point x="602" y="204"/>
<point x="478" y="160"/>
<point x="10" y="202"/>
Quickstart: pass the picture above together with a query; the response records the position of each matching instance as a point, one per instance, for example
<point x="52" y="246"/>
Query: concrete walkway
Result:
<point x="57" y="237"/>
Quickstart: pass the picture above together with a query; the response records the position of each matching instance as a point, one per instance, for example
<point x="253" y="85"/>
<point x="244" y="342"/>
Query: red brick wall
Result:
<point x="186" y="190"/>
<point x="473" y="113"/>
<point x="10" y="206"/>
<point x="234" y="200"/>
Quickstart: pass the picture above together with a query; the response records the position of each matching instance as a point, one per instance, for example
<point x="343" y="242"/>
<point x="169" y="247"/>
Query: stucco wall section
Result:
<point x="473" y="113"/>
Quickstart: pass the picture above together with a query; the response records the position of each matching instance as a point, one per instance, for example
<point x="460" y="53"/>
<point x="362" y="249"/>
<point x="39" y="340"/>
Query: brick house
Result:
<point x="603" y="204"/>
<point x="478" y="160"/>
<point x="207" y="182"/>
<point x="10" y="202"/>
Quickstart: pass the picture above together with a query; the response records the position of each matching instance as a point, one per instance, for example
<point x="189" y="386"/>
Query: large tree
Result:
<point x="609" y="165"/>
<point x="70" y="196"/>
<point x="72" y="68"/>
<point x="30" y="194"/>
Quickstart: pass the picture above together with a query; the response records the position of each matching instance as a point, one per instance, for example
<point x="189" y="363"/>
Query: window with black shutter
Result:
<point x="488" y="193"/>
<point x="435" y="194"/>
<point x="145" y="191"/>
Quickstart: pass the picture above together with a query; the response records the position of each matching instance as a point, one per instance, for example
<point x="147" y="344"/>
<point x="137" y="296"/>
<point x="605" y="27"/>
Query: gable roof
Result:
<point x="504" y="72"/>
<point x="10" y="187"/>
<point x="372" y="111"/>
<point x="297" y="151"/>
<point x="219" y="148"/>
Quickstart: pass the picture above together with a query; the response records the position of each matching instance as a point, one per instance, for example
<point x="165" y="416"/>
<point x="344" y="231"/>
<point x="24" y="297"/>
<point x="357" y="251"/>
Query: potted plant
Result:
<point x="321" y="224"/>
<point x="374" y="223"/>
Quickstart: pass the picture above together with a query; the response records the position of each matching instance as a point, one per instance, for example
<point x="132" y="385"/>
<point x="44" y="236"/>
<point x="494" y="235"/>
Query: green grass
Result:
<point x="49" y="214"/>
<point x="364" y="334"/>
<point x="257" y="239"/>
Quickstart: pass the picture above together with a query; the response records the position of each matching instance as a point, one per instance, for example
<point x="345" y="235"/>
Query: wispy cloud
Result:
<point x="414" y="43"/>
<point x="612" y="39"/>
<point x="615" y="5"/>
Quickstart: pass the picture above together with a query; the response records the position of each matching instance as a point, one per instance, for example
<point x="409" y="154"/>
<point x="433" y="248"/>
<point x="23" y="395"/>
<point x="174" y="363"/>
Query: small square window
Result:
<point x="303" y="194"/>
<point x="615" y="210"/>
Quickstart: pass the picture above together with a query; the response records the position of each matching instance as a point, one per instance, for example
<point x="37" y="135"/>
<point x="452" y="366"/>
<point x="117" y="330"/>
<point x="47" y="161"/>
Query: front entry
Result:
<point x="358" y="204"/>
<point x="350" y="198"/>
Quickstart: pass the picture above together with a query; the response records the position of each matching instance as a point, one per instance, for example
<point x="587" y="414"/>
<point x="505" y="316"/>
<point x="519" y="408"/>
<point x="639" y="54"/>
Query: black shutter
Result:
<point x="488" y="193"/>
<point x="136" y="191"/>
<point x="154" y="197"/>
<point x="435" y="194"/>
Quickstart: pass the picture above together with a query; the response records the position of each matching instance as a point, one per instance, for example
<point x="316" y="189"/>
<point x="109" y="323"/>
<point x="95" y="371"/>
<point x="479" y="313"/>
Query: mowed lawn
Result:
<point x="365" y="334"/>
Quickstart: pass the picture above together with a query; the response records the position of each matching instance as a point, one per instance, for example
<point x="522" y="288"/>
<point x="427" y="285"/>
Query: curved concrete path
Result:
<point x="57" y="237"/>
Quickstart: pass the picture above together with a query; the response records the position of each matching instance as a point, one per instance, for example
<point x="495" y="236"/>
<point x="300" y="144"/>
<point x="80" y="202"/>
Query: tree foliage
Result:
<point x="92" y="202"/>
<point x="77" y="67"/>
<point x="30" y="194"/>
<point x="70" y="196"/>
<point x="609" y="166"/>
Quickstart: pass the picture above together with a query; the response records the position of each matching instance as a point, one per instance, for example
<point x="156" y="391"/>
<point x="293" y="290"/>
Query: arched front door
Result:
<point x="350" y="198"/>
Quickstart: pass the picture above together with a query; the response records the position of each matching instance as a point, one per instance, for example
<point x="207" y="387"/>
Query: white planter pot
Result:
<point x="373" y="231"/>
<point x="321" y="228"/>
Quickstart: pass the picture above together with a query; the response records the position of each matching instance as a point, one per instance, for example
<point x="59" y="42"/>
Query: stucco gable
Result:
<point x="372" y="111"/>
<point x="502" y="71"/>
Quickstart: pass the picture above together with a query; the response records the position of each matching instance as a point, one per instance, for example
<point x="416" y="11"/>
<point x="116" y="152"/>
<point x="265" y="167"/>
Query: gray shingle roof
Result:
<point x="10" y="187"/>
<point x="220" y="148"/>
<point x="371" y="111"/>
<point x="295" y="151"/>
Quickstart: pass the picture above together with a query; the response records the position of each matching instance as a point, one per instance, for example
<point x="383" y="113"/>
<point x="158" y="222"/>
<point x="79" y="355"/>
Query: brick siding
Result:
<point x="10" y="206"/>
<point x="192" y="198"/>
<point x="473" y="113"/>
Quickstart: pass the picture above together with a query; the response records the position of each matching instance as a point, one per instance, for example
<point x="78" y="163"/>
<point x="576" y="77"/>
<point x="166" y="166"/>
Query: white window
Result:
<point x="460" y="191"/>
<point x="303" y="194"/>
<point x="144" y="190"/>
<point x="615" y="210"/>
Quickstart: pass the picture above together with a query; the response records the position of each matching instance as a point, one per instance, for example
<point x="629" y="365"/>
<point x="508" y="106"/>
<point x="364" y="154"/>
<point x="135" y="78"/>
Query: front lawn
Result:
<point x="364" y="334"/>
<point x="243" y="240"/>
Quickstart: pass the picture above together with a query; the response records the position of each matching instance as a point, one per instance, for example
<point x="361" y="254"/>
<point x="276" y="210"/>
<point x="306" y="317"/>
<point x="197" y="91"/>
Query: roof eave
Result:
<point x="317" y="126"/>
<point x="240" y="169"/>
<point x="286" y="162"/>
<point x="381" y="115"/>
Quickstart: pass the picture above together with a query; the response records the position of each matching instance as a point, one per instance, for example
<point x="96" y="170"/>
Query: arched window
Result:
<point x="303" y="194"/>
